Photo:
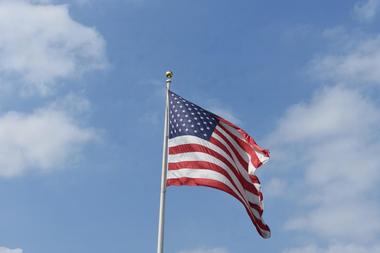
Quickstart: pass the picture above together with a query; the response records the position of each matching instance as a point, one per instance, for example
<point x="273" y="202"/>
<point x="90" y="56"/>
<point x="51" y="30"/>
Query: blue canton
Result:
<point x="186" y="118"/>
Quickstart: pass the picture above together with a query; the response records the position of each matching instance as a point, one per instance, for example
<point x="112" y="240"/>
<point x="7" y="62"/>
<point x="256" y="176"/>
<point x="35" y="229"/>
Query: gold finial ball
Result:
<point x="169" y="74"/>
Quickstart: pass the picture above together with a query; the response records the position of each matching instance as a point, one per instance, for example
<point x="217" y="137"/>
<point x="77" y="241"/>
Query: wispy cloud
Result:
<point x="7" y="250"/>
<point x="366" y="10"/>
<point x="215" y="106"/>
<point x="276" y="187"/>
<point x="336" y="248"/>
<point x="356" y="63"/>
<point x="225" y="113"/>
<point x="59" y="1"/>
<point x="203" y="250"/>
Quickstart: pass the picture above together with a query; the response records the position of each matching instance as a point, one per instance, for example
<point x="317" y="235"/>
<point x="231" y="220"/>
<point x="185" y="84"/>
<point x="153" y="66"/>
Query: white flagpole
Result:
<point x="161" y="221"/>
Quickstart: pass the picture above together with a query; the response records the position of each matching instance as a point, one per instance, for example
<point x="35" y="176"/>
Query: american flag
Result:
<point x="207" y="150"/>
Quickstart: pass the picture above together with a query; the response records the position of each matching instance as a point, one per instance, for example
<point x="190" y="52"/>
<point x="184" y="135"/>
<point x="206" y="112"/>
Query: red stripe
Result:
<point x="247" y="148"/>
<point x="246" y="183"/>
<point x="247" y="138"/>
<point x="186" y="148"/>
<point x="199" y="165"/>
<point x="220" y="186"/>
<point x="236" y="152"/>
<point x="256" y="180"/>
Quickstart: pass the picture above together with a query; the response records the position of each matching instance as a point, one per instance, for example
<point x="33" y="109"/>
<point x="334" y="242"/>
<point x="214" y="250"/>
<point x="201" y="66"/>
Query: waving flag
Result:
<point x="207" y="150"/>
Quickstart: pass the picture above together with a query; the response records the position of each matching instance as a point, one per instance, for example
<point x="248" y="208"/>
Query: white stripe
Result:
<point x="245" y="155"/>
<point x="251" y="169"/>
<point x="208" y="174"/>
<point x="189" y="139"/>
<point x="198" y="156"/>
<point x="263" y="159"/>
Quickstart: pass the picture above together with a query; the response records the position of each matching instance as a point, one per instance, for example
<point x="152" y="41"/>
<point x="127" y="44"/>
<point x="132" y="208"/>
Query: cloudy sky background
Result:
<point x="81" y="112"/>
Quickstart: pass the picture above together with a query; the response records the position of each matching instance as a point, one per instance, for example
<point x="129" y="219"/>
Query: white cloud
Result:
<point x="213" y="250"/>
<point x="366" y="10"/>
<point x="334" y="139"/>
<point x="341" y="220"/>
<point x="6" y="250"/>
<point x="41" y="45"/>
<point x="43" y="140"/>
<point x="336" y="248"/>
<point x="332" y="142"/>
<point x="330" y="113"/>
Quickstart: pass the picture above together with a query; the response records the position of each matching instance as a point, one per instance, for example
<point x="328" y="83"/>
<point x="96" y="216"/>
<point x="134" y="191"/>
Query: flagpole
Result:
<point x="161" y="221"/>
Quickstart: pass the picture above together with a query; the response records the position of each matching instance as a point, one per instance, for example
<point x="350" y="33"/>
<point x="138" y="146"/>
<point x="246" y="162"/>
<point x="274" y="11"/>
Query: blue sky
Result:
<point x="81" y="117"/>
